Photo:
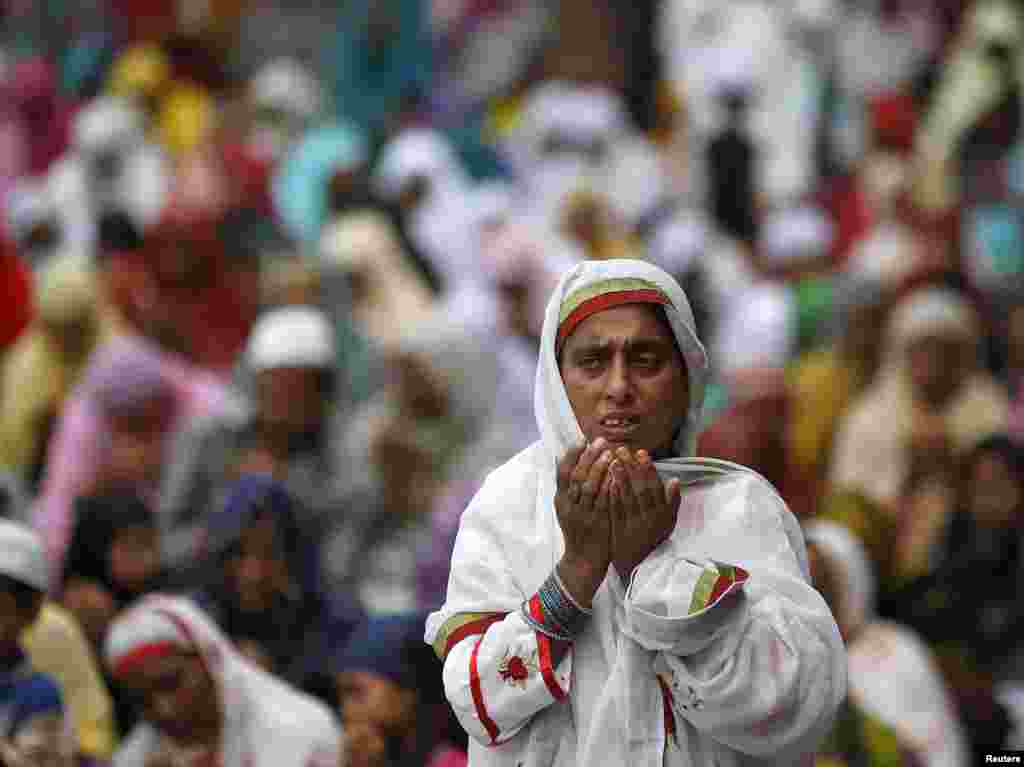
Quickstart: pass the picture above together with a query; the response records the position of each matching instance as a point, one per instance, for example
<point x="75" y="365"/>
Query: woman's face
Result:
<point x="258" y="572"/>
<point x="137" y="440"/>
<point x="134" y="558"/>
<point x="995" y="493"/>
<point x="177" y="695"/>
<point x="370" y="699"/>
<point x="291" y="398"/>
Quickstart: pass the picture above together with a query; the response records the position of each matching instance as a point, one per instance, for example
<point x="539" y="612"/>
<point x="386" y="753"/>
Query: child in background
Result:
<point x="392" y="703"/>
<point x="35" y="731"/>
<point x="112" y="561"/>
<point x="113" y="558"/>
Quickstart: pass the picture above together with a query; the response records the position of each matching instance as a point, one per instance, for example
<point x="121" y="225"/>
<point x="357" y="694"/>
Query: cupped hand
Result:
<point x="643" y="509"/>
<point x="582" y="506"/>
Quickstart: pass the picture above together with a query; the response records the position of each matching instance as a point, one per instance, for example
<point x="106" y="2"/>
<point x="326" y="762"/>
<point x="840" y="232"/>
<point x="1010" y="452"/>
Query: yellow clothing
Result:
<point x="186" y="119"/>
<point x="37" y="375"/>
<point x="56" y="646"/>
<point x="823" y="387"/>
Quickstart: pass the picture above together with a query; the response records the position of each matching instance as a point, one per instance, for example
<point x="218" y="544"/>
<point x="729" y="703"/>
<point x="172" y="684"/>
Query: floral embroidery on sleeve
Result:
<point x="515" y="670"/>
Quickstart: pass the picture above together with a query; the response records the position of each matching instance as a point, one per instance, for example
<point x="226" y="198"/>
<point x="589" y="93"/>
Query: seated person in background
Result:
<point x="264" y="588"/>
<point x="113" y="559"/>
<point x="202" y="703"/>
<point x="36" y="731"/>
<point x="289" y="425"/>
<point x="56" y="646"/>
<point x="392" y="700"/>
<point x="115" y="430"/>
<point x="898" y="710"/>
<point x="968" y="604"/>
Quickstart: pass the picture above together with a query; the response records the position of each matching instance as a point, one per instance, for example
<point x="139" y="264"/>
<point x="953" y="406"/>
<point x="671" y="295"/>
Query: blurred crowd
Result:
<point x="273" y="276"/>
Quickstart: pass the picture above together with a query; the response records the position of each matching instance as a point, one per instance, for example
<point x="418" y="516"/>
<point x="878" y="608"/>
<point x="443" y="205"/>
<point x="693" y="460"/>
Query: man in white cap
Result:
<point x="613" y="600"/>
<point x="287" y="426"/>
<point x="33" y="730"/>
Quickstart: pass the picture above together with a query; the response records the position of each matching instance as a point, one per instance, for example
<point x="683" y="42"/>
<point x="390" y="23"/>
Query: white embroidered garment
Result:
<point x="266" y="722"/>
<point x="696" y="662"/>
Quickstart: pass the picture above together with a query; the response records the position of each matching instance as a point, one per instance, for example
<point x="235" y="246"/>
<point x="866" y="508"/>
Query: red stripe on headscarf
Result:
<point x="143" y="653"/>
<point x="607" y="301"/>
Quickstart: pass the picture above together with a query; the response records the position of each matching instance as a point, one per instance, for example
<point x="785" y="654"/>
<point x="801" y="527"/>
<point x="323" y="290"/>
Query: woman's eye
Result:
<point x="647" y="360"/>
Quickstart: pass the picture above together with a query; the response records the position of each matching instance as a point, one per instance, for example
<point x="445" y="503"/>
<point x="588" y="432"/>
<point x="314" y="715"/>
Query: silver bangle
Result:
<point x="568" y="595"/>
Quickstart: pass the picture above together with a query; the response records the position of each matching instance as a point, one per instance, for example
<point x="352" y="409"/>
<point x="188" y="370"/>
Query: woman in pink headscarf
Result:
<point x="115" y="428"/>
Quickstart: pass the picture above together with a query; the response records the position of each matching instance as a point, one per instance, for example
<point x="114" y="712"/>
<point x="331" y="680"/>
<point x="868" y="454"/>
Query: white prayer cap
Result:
<point x="107" y="123"/>
<point x="286" y="85"/>
<point x="679" y="244"/>
<point x="795" y="233"/>
<point x="294" y="336"/>
<point x="416" y="152"/>
<point x="21" y="556"/>
<point x="758" y="329"/>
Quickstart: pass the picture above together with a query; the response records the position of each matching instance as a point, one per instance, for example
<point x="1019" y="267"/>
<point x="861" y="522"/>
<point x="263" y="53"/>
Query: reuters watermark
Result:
<point x="1004" y="757"/>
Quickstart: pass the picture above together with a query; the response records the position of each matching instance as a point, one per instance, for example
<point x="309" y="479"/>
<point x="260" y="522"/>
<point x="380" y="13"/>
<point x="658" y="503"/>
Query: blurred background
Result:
<point x="314" y="240"/>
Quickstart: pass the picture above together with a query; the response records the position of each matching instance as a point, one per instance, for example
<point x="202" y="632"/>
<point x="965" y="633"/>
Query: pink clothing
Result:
<point x="1015" y="422"/>
<point x="81" y="439"/>
<point x="447" y="756"/>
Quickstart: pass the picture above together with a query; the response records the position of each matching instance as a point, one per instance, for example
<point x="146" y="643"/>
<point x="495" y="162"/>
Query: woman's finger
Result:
<point x="592" y="486"/>
<point x="587" y="460"/>
<point x="567" y="464"/>
<point x="649" y="486"/>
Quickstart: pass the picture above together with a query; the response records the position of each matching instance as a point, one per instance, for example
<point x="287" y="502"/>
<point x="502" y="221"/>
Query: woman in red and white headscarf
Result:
<point x="203" y="703"/>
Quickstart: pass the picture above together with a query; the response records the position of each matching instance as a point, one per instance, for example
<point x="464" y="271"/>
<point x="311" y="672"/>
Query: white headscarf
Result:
<point x="266" y="723"/>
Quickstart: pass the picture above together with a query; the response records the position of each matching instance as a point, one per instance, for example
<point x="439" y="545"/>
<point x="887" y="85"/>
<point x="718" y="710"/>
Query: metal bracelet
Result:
<point x="547" y="631"/>
<point x="565" y="592"/>
<point x="560" y="609"/>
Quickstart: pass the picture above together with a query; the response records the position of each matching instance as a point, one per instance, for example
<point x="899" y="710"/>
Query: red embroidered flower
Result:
<point x="515" y="670"/>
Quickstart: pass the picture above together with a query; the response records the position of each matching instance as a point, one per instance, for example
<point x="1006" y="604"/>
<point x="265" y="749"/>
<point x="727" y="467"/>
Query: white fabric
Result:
<point x="287" y="86"/>
<point x="108" y="123"/>
<point x="266" y="722"/>
<point x="757" y="328"/>
<point x="21" y="556"/>
<point x="442" y="225"/>
<point x="847" y="555"/>
<point x="295" y="336"/>
<point x="756" y="680"/>
<point x="797" y="233"/>
<point x="679" y="244"/>
<point x="893" y="675"/>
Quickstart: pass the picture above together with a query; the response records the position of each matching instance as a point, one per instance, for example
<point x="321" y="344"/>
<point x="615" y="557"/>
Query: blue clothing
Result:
<point x="369" y="79"/>
<point x="303" y="630"/>
<point x="25" y="695"/>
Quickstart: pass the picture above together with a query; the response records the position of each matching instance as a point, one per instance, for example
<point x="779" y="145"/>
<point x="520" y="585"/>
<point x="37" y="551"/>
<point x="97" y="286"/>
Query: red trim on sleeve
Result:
<point x="144" y="652"/>
<point x="473" y="627"/>
<point x="544" y="646"/>
<point x="667" y="703"/>
<point x="478" y="696"/>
